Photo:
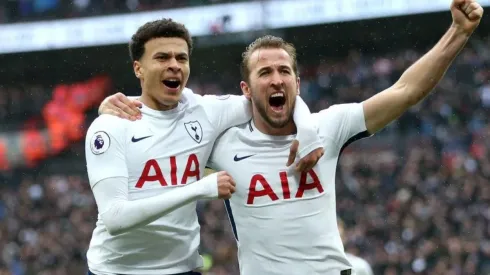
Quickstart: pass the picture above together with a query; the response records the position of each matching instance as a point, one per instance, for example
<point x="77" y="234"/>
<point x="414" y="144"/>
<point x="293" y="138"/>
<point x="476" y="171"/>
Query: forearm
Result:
<point x="422" y="77"/>
<point x="415" y="83"/>
<point x="121" y="215"/>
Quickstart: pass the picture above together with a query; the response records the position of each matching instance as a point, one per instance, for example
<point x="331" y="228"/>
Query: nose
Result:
<point x="276" y="80"/>
<point x="173" y="65"/>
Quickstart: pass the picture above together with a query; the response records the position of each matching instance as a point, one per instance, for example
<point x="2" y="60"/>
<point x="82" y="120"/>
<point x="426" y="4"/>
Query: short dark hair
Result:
<point x="156" y="29"/>
<point x="267" y="42"/>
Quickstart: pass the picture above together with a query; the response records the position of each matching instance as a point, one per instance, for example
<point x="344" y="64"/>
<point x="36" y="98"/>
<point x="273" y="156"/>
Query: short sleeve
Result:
<point x="344" y="123"/>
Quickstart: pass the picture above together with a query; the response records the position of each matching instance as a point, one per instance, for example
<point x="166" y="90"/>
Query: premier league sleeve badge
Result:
<point x="100" y="142"/>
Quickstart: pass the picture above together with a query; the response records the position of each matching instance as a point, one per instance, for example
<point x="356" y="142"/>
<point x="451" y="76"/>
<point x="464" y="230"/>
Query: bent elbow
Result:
<point x="114" y="230"/>
<point x="112" y="225"/>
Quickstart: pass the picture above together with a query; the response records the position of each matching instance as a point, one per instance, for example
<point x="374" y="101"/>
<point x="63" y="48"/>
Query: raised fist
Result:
<point x="466" y="15"/>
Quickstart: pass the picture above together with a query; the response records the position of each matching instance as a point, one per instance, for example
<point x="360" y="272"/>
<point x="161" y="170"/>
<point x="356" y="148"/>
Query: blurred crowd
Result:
<point x="46" y="224"/>
<point x="12" y="11"/>
<point x="415" y="198"/>
<point x="11" y="112"/>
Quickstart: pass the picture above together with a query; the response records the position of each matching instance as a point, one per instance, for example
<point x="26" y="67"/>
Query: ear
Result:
<point x="298" y="82"/>
<point x="245" y="89"/>
<point x="138" y="69"/>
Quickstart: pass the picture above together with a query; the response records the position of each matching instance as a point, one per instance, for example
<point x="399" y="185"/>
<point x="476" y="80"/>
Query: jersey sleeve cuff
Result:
<point x="207" y="187"/>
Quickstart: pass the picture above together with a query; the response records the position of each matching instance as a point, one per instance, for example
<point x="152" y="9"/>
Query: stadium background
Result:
<point x="415" y="198"/>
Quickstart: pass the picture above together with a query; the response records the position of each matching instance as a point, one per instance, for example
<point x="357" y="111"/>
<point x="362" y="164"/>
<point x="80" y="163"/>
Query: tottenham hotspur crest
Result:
<point x="194" y="130"/>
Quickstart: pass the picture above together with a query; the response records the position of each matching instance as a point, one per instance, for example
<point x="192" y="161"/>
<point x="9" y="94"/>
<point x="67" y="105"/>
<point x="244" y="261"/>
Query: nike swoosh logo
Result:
<point x="139" y="139"/>
<point x="242" y="158"/>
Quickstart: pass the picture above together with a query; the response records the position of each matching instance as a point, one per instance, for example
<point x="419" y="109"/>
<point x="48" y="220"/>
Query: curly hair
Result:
<point x="157" y="29"/>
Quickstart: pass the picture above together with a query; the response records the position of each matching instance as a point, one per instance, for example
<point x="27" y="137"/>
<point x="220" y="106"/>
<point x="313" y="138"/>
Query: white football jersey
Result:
<point x="285" y="222"/>
<point x="359" y="265"/>
<point x="162" y="151"/>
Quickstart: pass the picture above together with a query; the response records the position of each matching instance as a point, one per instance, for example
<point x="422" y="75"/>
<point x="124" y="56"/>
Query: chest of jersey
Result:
<point x="168" y="153"/>
<point x="262" y="177"/>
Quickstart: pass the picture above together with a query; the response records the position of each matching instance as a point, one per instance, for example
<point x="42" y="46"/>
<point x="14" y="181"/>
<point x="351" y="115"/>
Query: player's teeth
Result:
<point x="277" y="95"/>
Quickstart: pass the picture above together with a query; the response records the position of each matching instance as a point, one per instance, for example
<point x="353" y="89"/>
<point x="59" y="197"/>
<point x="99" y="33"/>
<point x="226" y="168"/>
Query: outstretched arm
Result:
<point x="421" y="78"/>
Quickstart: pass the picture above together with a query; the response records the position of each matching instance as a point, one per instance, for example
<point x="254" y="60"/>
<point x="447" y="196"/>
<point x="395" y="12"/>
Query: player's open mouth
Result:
<point x="172" y="84"/>
<point x="277" y="101"/>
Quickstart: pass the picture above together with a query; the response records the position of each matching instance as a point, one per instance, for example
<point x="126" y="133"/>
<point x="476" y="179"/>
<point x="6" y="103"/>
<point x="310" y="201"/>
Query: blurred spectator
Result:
<point x="12" y="11"/>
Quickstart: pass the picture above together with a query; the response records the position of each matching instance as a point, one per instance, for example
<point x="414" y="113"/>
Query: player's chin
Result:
<point x="278" y="122"/>
<point x="169" y="99"/>
<point x="278" y="117"/>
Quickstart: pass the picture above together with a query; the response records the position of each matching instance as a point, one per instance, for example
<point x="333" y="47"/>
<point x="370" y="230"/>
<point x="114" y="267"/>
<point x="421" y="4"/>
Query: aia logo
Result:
<point x="260" y="190"/>
<point x="152" y="172"/>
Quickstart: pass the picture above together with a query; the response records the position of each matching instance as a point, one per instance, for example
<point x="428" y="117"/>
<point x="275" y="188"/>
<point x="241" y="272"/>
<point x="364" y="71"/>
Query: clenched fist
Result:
<point x="226" y="185"/>
<point x="466" y="15"/>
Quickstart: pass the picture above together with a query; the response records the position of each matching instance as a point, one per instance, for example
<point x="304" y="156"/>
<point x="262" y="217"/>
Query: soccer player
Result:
<point x="359" y="265"/>
<point x="146" y="175"/>
<point x="285" y="222"/>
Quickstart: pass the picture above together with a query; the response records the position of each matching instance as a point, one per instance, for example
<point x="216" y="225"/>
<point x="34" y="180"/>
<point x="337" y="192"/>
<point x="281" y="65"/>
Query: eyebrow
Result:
<point x="280" y="67"/>
<point x="267" y="68"/>
<point x="169" y="54"/>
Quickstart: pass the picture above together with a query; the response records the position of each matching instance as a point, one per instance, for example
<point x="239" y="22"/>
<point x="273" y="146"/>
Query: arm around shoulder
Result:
<point x="227" y="110"/>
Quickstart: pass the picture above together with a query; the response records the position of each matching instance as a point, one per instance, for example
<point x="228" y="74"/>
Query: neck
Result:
<point x="264" y="127"/>
<point x="154" y="104"/>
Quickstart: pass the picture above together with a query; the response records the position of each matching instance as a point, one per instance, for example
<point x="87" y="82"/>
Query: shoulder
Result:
<point x="338" y="116"/>
<point x="209" y="103"/>
<point x="210" y="100"/>
<point x="231" y="135"/>
<point x="106" y="128"/>
<point x="340" y="110"/>
<point x="226" y="142"/>
<point x="108" y="122"/>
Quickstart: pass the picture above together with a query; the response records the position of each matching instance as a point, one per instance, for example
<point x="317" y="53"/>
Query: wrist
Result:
<point x="459" y="30"/>
<point x="207" y="187"/>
